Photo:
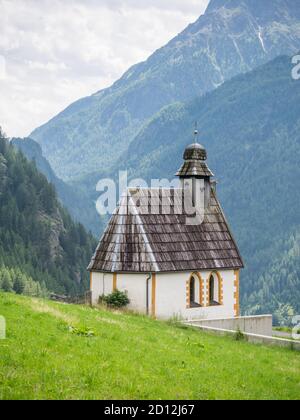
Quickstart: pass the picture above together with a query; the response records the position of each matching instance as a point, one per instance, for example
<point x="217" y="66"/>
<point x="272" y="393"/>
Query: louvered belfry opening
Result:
<point x="195" y="175"/>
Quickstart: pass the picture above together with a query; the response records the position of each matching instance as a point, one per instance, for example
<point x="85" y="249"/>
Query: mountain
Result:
<point x="251" y="129"/>
<point x="78" y="203"/>
<point x="39" y="242"/>
<point x="232" y="37"/>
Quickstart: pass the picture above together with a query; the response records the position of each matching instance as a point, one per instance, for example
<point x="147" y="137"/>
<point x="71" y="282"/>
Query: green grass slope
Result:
<point x="131" y="357"/>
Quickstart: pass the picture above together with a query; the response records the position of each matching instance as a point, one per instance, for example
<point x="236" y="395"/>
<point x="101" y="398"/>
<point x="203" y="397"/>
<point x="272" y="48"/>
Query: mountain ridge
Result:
<point x="75" y="200"/>
<point x="222" y="43"/>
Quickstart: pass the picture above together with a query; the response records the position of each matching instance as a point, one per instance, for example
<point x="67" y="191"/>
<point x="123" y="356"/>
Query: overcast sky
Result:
<point x="53" y="52"/>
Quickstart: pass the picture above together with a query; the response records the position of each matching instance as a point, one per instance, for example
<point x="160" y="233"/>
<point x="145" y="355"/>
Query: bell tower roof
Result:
<point x="194" y="163"/>
<point x="195" y="151"/>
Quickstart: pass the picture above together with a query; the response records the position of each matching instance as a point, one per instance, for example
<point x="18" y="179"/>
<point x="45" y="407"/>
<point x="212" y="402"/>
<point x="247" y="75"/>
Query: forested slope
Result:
<point x="37" y="236"/>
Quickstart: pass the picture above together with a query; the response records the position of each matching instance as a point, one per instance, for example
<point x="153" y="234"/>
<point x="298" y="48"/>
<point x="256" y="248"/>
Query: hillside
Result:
<point x="81" y="208"/>
<point x="131" y="357"/>
<point x="232" y="37"/>
<point x="38" y="238"/>
<point x="250" y="127"/>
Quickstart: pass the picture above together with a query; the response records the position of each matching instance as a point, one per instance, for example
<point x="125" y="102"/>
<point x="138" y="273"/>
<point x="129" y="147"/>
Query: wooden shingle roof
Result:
<point x="194" y="162"/>
<point x="194" y="168"/>
<point x="149" y="233"/>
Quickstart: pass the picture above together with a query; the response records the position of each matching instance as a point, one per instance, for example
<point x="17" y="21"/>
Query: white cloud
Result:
<point x="2" y="68"/>
<point x="56" y="51"/>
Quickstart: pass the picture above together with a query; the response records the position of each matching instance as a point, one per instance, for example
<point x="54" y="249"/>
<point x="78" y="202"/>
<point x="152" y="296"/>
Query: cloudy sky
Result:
<point x="53" y="52"/>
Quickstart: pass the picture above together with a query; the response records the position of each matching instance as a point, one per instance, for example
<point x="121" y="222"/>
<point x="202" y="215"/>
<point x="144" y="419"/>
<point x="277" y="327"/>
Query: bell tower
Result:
<point x="194" y="174"/>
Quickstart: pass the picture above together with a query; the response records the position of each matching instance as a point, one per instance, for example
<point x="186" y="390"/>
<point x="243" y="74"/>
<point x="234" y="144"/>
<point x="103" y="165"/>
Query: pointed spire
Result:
<point x="196" y="133"/>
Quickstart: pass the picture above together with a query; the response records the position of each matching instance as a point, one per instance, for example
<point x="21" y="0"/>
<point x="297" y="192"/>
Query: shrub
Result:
<point x="116" y="300"/>
<point x="239" y="336"/>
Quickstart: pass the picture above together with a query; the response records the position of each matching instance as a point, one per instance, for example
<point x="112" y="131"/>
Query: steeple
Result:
<point x="194" y="162"/>
<point x="194" y="172"/>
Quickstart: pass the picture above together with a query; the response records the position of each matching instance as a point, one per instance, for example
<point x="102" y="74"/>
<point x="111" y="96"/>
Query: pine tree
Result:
<point x="6" y="283"/>
<point x="19" y="284"/>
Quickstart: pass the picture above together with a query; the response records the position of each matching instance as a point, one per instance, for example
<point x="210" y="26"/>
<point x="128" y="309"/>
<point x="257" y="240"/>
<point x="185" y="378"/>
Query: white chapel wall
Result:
<point x="135" y="286"/>
<point x="171" y="297"/>
<point x="170" y="294"/>
<point x="102" y="284"/>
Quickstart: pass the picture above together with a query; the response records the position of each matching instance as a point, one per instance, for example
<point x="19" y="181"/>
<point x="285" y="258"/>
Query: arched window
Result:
<point x="192" y="291"/>
<point x="215" y="290"/>
<point x="195" y="291"/>
<point x="211" y="290"/>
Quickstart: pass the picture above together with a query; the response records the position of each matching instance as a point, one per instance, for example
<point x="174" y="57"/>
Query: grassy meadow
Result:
<point x="56" y="351"/>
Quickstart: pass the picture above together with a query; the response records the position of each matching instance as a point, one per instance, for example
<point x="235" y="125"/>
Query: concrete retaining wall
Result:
<point x="261" y="325"/>
<point x="253" y="338"/>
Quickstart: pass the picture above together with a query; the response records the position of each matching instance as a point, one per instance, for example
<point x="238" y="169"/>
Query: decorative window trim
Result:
<point x="153" y="296"/>
<point x="237" y="293"/>
<point x="115" y="282"/>
<point x="220" y="291"/>
<point x="195" y="275"/>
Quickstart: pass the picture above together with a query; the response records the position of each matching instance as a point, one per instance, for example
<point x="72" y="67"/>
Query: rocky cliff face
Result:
<point x="232" y="37"/>
<point x="77" y="202"/>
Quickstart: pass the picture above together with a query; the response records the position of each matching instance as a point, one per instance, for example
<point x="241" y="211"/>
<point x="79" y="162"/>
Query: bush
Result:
<point x="239" y="336"/>
<point x="116" y="300"/>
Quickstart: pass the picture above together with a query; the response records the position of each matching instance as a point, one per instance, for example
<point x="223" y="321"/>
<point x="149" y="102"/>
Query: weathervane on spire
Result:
<point x="196" y="132"/>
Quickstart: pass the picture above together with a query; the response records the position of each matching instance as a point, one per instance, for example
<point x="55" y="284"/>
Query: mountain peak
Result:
<point x="215" y="5"/>
<point x="232" y="37"/>
<point x="256" y="6"/>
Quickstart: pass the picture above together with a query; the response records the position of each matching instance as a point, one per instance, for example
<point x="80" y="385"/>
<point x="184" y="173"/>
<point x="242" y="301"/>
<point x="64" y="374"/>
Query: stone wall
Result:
<point x="253" y="338"/>
<point x="261" y="325"/>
